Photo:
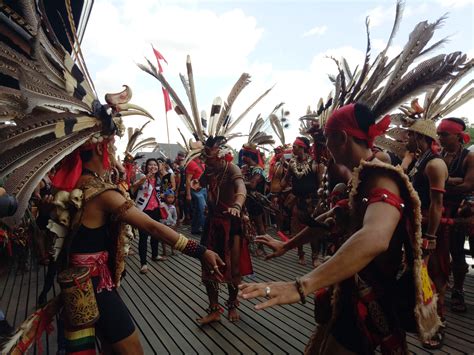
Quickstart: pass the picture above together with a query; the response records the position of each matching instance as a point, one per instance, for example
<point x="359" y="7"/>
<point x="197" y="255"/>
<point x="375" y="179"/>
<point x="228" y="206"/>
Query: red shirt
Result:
<point x="196" y="168"/>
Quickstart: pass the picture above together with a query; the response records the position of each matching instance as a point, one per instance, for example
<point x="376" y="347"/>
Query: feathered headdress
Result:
<point x="279" y="124"/>
<point x="48" y="103"/>
<point x="217" y="129"/>
<point x="386" y="83"/>
<point x="438" y="103"/>
<point x="134" y="145"/>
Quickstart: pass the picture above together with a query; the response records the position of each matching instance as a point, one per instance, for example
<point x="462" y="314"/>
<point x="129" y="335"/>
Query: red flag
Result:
<point x="166" y="96"/>
<point x="159" y="57"/>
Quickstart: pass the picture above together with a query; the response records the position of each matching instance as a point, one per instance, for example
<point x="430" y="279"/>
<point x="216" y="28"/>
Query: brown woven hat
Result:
<point x="424" y="127"/>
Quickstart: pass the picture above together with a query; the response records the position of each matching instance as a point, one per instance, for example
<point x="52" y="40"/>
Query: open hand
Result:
<point x="277" y="246"/>
<point x="213" y="263"/>
<point x="235" y="212"/>
<point x="276" y="292"/>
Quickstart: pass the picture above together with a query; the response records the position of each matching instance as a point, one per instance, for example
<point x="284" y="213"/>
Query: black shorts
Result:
<point x="115" y="322"/>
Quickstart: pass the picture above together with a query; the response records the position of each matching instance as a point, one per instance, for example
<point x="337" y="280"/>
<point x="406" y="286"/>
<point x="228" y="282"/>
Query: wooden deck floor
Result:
<point x="165" y="303"/>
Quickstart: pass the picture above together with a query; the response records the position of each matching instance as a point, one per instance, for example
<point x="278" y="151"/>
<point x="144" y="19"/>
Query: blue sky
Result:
<point x="277" y="42"/>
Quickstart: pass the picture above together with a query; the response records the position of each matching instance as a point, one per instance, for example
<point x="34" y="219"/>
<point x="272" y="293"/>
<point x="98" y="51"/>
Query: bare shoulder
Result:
<point x="469" y="158"/>
<point x="382" y="179"/>
<point x="110" y="199"/>
<point x="436" y="165"/>
<point x="233" y="169"/>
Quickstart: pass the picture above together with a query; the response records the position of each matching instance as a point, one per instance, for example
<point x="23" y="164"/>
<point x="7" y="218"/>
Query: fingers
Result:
<point x="261" y="238"/>
<point x="219" y="261"/>
<point x="269" y="303"/>
<point x="270" y="256"/>
<point x="254" y="290"/>
<point x="218" y="273"/>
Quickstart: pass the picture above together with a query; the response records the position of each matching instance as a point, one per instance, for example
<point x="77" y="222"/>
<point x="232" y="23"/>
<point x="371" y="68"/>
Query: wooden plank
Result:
<point x="253" y="314"/>
<point x="165" y="302"/>
<point x="171" y="278"/>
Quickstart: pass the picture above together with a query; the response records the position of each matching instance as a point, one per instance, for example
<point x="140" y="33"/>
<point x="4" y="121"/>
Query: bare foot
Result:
<point x="211" y="317"/>
<point x="301" y="260"/>
<point x="233" y="315"/>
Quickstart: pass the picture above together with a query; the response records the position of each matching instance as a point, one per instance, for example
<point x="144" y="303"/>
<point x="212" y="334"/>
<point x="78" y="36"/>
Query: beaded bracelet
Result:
<point x="237" y="206"/>
<point x="299" y="288"/>
<point x="190" y="247"/>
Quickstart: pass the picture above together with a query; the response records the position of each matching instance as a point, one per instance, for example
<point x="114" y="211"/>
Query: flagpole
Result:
<point x="168" y="134"/>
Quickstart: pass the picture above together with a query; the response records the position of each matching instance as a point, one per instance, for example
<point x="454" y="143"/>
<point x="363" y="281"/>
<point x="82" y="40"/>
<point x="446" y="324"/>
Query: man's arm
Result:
<point x="254" y="181"/>
<point x="437" y="173"/>
<point x="112" y="201"/>
<point x="362" y="247"/>
<point x="189" y="177"/>
<point x="173" y="182"/>
<point x="467" y="184"/>
<point x="240" y="191"/>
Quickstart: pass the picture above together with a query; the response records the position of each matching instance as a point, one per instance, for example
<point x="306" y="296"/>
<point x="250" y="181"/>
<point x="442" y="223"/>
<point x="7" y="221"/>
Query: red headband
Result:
<point x="344" y="119"/>
<point x="300" y="143"/>
<point x="71" y="167"/>
<point x="453" y="128"/>
<point x="255" y="151"/>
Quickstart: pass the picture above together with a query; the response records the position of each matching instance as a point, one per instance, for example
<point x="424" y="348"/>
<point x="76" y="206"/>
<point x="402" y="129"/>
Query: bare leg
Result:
<point x="296" y="227"/>
<point x="214" y="311"/>
<point x="233" y="302"/>
<point x="129" y="345"/>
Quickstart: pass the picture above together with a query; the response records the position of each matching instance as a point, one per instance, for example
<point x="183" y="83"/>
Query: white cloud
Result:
<point x="455" y="3"/>
<point x="119" y="34"/>
<point x="378" y="15"/>
<point x="316" y="31"/>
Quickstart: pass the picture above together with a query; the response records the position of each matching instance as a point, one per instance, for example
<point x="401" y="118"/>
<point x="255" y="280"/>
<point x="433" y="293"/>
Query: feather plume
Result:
<point x="275" y="109"/>
<point x="77" y="47"/>
<point x="204" y="119"/>
<point x="184" y="140"/>
<point x="193" y="101"/>
<point x="434" y="102"/>
<point x="391" y="145"/>
<point x="214" y="116"/>
<point x="186" y="86"/>
<point x="238" y="87"/>
<point x="23" y="180"/>
<point x="418" y="39"/>
<point x="365" y="67"/>
<point x="238" y="119"/>
<point x="151" y="69"/>
<point x="434" y="71"/>
<point x="134" y="136"/>
<point x="277" y="128"/>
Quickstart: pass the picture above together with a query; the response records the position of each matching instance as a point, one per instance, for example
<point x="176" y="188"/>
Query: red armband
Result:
<point x="343" y="203"/>
<point x="443" y="191"/>
<point x="383" y="195"/>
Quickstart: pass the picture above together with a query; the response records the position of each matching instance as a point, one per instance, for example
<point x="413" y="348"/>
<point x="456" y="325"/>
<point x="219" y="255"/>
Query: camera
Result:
<point x="8" y="205"/>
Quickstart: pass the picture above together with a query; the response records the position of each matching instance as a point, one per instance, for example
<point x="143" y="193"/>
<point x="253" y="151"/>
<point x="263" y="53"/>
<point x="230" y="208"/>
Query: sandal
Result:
<point x="436" y="342"/>
<point x="457" y="301"/>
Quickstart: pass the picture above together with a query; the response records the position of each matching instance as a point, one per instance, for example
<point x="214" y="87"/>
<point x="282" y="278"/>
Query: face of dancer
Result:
<point x="152" y="168"/>
<point x="335" y="145"/>
<point x="212" y="159"/>
<point x="298" y="150"/>
<point x="448" y="139"/>
<point x="247" y="160"/>
<point x="412" y="144"/>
